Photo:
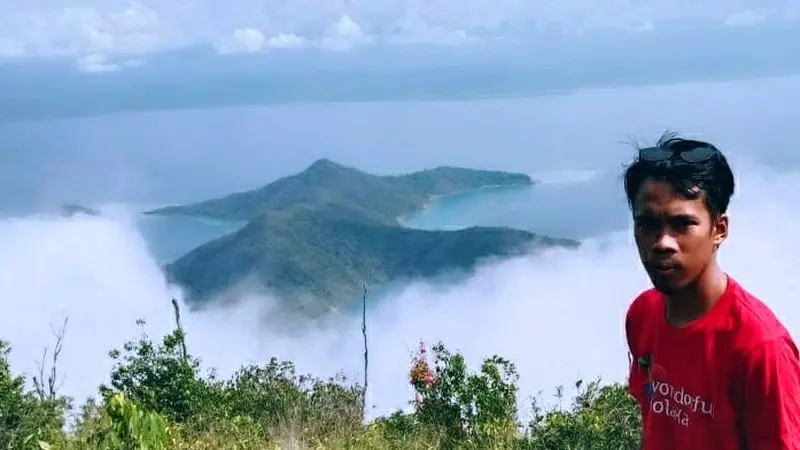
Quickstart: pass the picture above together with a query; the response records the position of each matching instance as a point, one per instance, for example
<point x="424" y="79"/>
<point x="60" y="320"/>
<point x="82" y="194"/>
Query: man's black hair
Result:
<point x="713" y="178"/>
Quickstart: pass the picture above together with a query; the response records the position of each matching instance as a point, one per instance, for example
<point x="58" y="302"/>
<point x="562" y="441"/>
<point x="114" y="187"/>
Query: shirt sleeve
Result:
<point x="771" y="396"/>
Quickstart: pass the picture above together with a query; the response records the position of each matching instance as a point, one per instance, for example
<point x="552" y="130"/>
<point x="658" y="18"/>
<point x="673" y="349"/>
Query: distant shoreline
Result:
<point x="433" y="199"/>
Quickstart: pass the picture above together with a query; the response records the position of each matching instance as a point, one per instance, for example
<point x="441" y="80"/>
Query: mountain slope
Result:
<point x="317" y="236"/>
<point x="328" y="253"/>
<point x="382" y="198"/>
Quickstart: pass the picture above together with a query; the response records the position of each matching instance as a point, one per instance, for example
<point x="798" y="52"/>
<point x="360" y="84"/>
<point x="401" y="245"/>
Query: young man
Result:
<point x="712" y="367"/>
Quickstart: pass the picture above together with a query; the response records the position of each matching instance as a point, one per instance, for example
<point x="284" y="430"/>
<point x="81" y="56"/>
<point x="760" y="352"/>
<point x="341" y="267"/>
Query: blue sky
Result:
<point x="107" y="35"/>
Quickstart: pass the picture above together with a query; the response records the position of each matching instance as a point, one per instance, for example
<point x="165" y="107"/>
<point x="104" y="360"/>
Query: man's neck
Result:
<point x="690" y="304"/>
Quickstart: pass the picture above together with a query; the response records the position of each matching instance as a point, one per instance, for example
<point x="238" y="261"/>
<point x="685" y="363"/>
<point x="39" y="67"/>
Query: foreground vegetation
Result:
<point x="158" y="398"/>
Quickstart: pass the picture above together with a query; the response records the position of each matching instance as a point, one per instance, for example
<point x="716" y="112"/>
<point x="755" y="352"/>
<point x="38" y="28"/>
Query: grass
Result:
<point x="159" y="397"/>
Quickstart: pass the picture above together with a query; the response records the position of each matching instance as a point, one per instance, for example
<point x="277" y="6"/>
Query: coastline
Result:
<point x="403" y="220"/>
<point x="431" y="200"/>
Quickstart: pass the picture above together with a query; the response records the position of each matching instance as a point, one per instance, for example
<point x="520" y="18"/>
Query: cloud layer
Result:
<point x="88" y="27"/>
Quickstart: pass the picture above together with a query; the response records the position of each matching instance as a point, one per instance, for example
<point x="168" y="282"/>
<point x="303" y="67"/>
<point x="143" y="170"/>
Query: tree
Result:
<point x="25" y="419"/>
<point x="159" y="378"/>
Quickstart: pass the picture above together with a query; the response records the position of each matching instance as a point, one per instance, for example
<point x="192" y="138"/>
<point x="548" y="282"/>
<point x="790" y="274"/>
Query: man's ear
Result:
<point x="719" y="230"/>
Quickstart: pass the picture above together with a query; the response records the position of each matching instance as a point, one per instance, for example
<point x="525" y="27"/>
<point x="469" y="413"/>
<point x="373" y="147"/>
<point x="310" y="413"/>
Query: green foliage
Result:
<point x="25" y="417"/>
<point x="322" y="256"/>
<point x="479" y="409"/>
<point x="265" y="400"/>
<point x="123" y="425"/>
<point x="159" y="399"/>
<point x="158" y="378"/>
<point x="275" y="396"/>
<point x="601" y="418"/>
<point x="325" y="182"/>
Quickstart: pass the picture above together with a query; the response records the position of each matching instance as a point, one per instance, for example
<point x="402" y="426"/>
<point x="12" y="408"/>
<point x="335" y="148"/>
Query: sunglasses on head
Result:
<point x="691" y="155"/>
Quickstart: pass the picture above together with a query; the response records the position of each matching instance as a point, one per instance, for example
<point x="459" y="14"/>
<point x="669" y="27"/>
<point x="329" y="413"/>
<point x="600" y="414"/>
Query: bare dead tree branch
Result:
<point x="366" y="352"/>
<point x="184" y="354"/>
<point x="48" y="390"/>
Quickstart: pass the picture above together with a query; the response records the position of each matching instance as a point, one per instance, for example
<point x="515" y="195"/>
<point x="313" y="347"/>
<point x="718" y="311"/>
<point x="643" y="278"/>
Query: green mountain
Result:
<point x="315" y="237"/>
<point x="383" y="198"/>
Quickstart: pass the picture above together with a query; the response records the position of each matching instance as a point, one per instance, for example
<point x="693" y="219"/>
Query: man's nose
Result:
<point x="666" y="242"/>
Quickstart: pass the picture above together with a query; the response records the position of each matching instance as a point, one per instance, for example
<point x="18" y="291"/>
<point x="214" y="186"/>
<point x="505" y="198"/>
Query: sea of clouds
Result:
<point x="558" y="315"/>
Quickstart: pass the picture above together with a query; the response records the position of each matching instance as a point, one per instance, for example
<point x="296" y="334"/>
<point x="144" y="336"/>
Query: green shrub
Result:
<point x="123" y="425"/>
<point x="26" y="417"/>
<point x="471" y="409"/>
<point x="601" y="418"/>
<point x="159" y="378"/>
<point x="158" y="398"/>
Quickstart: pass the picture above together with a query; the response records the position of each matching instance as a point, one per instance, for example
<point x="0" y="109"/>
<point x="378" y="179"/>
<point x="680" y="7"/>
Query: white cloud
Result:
<point x="59" y="27"/>
<point x="249" y="40"/>
<point x="245" y="40"/>
<point x="344" y="34"/>
<point x="287" y="41"/>
<point x="100" y="63"/>
<point x="415" y="30"/>
<point x="96" y="63"/>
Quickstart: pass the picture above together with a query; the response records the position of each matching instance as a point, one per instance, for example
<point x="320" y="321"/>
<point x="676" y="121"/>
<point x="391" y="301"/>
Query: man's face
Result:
<point x="676" y="236"/>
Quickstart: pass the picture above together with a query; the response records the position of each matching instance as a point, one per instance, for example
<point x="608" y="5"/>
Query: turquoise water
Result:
<point x="572" y="209"/>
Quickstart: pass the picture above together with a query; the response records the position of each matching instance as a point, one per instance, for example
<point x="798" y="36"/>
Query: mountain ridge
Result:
<point x="408" y="193"/>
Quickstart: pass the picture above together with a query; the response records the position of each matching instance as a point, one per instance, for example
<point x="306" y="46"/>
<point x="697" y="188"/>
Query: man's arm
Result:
<point x="771" y="396"/>
<point x="633" y="364"/>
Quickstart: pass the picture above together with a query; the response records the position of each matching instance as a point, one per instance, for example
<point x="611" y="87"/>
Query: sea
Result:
<point x="558" y="314"/>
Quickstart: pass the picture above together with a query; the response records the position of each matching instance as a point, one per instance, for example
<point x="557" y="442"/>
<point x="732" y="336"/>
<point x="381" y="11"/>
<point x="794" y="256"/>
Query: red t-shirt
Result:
<point x="728" y="381"/>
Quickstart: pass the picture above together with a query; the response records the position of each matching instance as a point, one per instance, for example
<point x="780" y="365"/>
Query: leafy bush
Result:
<point x="123" y="425"/>
<point x="601" y="418"/>
<point x="25" y="417"/>
<point x="159" y="378"/>
<point x="159" y="398"/>
<point x="475" y="409"/>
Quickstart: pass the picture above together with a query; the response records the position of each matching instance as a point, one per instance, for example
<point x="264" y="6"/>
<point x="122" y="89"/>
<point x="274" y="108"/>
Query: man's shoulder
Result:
<point x="644" y="304"/>
<point x="642" y="310"/>
<point x="754" y="320"/>
<point x="757" y="329"/>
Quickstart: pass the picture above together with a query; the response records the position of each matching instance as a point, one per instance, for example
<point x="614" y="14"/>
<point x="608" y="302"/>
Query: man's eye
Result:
<point x="645" y="224"/>
<point x="683" y="224"/>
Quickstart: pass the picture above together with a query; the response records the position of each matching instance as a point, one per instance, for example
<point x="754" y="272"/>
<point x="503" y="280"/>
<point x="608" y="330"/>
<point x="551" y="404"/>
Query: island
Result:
<point x="315" y="237"/>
